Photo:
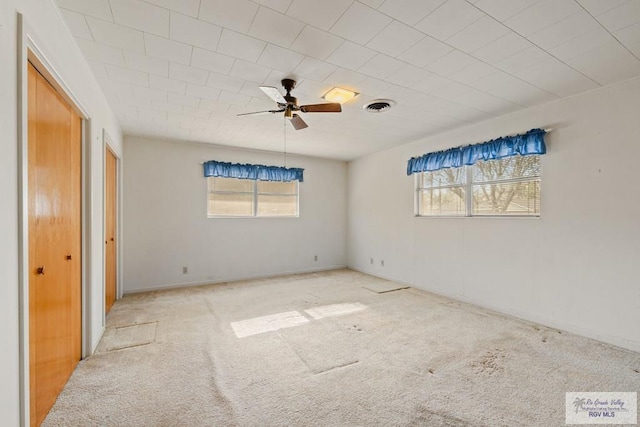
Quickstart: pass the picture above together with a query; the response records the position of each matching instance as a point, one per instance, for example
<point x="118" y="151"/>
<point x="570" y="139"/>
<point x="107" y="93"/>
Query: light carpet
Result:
<point x="403" y="358"/>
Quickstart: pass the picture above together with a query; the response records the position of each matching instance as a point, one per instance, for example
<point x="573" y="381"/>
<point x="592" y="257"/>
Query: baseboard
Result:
<point x="231" y="279"/>
<point x="529" y="317"/>
<point x="95" y="343"/>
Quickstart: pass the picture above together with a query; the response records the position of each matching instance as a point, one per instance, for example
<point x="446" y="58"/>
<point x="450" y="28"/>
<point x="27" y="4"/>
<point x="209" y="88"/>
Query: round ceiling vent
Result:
<point x="379" y="105"/>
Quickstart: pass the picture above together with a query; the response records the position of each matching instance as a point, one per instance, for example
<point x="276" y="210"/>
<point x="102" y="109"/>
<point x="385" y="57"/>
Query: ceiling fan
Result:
<point x="289" y="105"/>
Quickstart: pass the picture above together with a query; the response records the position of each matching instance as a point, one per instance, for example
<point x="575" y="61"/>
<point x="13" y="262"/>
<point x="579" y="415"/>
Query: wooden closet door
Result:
<point x="110" y="242"/>
<point x="55" y="264"/>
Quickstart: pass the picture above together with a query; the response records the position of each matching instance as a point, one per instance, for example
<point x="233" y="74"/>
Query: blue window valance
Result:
<point x="254" y="172"/>
<point x="525" y="144"/>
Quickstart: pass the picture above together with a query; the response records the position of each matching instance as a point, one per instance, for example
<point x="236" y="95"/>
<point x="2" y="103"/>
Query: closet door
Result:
<point x="55" y="264"/>
<point x="110" y="218"/>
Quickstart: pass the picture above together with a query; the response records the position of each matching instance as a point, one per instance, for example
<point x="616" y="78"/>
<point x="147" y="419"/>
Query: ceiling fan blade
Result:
<point x="260" y="112"/>
<point x="298" y="123"/>
<point x="331" y="107"/>
<point x="274" y="94"/>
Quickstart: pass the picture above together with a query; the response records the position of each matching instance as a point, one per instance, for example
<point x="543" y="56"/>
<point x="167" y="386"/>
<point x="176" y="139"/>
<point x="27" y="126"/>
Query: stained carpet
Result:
<point x="320" y="350"/>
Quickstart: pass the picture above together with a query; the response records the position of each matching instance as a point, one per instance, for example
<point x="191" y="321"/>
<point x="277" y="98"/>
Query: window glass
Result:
<point x="230" y="184"/>
<point x="507" y="168"/>
<point x="231" y="204"/>
<point x="443" y="201"/>
<point x="232" y="197"/>
<point x="505" y="187"/>
<point x="513" y="198"/>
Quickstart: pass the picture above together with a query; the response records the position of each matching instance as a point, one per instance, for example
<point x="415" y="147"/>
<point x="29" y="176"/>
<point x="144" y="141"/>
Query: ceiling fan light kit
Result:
<point x="340" y="95"/>
<point x="288" y="105"/>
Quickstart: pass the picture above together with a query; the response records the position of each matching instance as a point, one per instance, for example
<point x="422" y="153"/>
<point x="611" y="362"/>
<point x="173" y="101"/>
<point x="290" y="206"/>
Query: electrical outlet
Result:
<point x="371" y="260"/>
<point x="381" y="263"/>
<point x="315" y="257"/>
<point x="185" y="270"/>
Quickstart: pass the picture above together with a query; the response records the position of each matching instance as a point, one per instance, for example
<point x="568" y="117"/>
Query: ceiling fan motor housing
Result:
<point x="291" y="100"/>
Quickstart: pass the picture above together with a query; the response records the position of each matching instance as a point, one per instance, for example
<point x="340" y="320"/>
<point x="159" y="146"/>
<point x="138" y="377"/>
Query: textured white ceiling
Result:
<point x="184" y="68"/>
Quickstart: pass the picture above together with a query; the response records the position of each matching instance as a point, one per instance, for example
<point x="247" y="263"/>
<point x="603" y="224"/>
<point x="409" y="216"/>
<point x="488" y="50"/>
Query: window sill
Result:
<point x="501" y="217"/>
<point x="252" y="217"/>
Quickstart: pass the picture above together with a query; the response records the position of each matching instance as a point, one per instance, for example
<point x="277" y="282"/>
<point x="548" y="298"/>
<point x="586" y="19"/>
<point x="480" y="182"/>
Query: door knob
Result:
<point x="68" y="257"/>
<point x="40" y="270"/>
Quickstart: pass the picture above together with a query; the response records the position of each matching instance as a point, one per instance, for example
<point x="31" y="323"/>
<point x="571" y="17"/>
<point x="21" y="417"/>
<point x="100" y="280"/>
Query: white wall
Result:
<point x="576" y="268"/>
<point x="50" y="34"/>
<point x="166" y="224"/>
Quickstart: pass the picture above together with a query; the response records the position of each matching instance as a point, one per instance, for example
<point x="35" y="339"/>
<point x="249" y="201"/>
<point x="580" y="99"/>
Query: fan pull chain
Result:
<point x="284" y="132"/>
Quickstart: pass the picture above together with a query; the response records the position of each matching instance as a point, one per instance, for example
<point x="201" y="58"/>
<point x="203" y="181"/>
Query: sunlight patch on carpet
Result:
<point x="273" y="322"/>
<point x="334" y="310"/>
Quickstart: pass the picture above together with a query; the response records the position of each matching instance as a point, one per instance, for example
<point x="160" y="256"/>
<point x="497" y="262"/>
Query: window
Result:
<point x="443" y="192"/>
<point x="505" y="187"/>
<point x="234" y="197"/>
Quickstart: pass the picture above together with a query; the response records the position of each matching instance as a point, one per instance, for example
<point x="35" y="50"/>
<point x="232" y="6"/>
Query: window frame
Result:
<point x="254" y="198"/>
<point x="468" y="187"/>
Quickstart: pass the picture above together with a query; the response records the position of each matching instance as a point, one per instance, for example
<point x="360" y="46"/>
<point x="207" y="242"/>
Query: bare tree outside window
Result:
<point x="505" y="187"/>
<point x="509" y="186"/>
<point x="443" y="192"/>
